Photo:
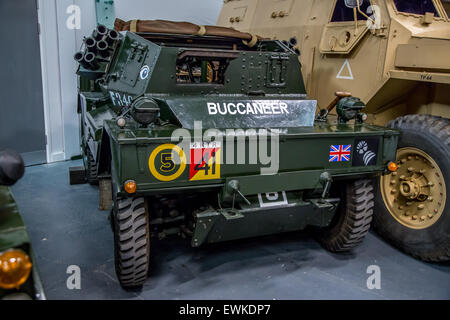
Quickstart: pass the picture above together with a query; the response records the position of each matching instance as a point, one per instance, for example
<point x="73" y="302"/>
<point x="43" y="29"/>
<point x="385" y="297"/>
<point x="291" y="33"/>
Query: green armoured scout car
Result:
<point x="207" y="132"/>
<point x="19" y="279"/>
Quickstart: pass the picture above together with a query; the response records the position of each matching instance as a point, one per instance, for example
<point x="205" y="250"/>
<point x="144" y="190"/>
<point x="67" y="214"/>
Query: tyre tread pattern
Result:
<point x="132" y="241"/>
<point x="92" y="177"/>
<point x="355" y="224"/>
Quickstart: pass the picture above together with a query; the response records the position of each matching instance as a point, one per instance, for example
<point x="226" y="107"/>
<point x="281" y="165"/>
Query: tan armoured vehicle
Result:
<point x="395" y="55"/>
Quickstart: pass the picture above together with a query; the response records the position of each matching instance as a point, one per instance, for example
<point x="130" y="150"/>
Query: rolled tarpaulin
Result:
<point x="185" y="28"/>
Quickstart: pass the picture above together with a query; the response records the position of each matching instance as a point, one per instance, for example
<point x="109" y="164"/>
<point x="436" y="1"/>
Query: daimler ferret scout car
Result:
<point x="207" y="133"/>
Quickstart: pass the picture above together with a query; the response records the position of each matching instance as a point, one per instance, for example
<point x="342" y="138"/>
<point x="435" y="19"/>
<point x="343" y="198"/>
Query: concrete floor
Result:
<point x="67" y="229"/>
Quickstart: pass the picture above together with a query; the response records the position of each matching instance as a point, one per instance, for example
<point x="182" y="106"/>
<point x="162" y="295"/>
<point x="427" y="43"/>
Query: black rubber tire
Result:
<point x="353" y="218"/>
<point x="430" y="134"/>
<point x="91" y="171"/>
<point x="131" y="241"/>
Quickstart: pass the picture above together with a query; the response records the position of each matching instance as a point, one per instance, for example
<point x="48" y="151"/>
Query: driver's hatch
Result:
<point x="349" y="21"/>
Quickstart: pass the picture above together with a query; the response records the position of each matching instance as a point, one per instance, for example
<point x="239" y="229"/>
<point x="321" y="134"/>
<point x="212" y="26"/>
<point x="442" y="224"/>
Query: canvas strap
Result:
<point x="201" y="31"/>
<point x="133" y="25"/>
<point x="252" y="42"/>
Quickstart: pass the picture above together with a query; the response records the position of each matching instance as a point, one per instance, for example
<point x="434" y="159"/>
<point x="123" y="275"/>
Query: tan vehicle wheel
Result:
<point x="411" y="207"/>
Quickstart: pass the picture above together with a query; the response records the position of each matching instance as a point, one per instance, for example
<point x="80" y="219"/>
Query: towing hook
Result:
<point x="326" y="180"/>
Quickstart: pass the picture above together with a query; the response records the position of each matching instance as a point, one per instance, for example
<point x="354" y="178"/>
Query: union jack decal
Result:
<point x="339" y="153"/>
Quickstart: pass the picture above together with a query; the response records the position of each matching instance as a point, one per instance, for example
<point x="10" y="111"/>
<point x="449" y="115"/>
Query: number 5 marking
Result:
<point x="152" y="165"/>
<point x="167" y="163"/>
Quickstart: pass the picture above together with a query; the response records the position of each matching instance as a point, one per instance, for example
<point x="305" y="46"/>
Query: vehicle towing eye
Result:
<point x="234" y="186"/>
<point x="326" y="179"/>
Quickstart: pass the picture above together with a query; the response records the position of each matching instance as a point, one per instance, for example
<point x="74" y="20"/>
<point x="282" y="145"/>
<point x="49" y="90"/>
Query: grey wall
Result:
<point x="203" y="12"/>
<point x="21" y="108"/>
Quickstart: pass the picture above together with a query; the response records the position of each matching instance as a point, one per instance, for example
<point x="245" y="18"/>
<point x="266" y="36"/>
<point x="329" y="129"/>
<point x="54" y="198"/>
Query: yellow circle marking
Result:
<point x="154" y="171"/>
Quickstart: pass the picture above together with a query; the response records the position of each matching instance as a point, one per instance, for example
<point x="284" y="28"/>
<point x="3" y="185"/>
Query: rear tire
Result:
<point x="424" y="233"/>
<point x="131" y="241"/>
<point x="91" y="172"/>
<point x="353" y="218"/>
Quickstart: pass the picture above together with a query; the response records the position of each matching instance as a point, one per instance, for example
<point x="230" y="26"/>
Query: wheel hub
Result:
<point x="409" y="189"/>
<point x="415" y="194"/>
<point x="412" y="188"/>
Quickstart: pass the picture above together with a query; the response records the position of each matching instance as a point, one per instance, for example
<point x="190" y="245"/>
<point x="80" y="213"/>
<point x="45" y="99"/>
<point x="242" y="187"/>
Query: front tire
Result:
<point x="353" y="218"/>
<point x="131" y="241"/>
<point x="411" y="207"/>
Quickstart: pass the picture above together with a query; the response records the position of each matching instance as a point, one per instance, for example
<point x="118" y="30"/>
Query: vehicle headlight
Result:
<point x="15" y="268"/>
<point x="349" y="108"/>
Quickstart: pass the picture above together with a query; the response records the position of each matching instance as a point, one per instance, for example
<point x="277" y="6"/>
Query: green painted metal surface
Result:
<point x="13" y="235"/>
<point x="257" y="220"/>
<point x="105" y="12"/>
<point x="304" y="156"/>
<point x="12" y="229"/>
<point x="248" y="93"/>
